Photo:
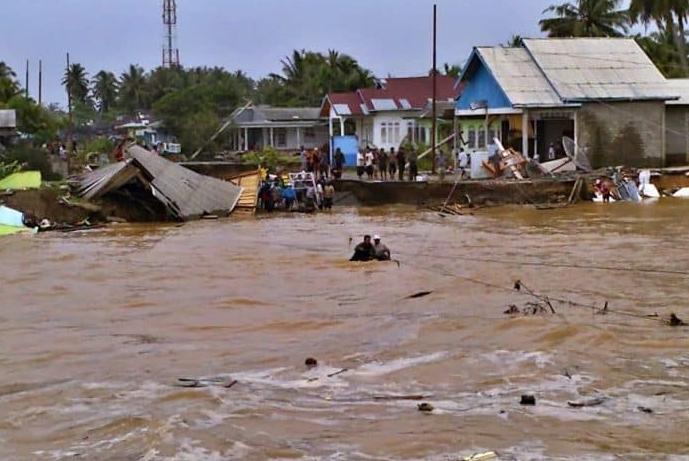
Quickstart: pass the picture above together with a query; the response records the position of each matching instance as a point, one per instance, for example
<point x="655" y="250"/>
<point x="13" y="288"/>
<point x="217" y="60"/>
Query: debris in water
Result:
<point x="310" y="362"/>
<point x="518" y="285"/>
<point x="527" y="399"/>
<point x="420" y="294"/>
<point x="512" y="310"/>
<point x="675" y="321"/>
<point x="645" y="409"/>
<point x="592" y="402"/>
<point x="338" y="372"/>
<point x="487" y="456"/>
<point x="425" y="407"/>
<point x="205" y="382"/>
<point x="399" y="397"/>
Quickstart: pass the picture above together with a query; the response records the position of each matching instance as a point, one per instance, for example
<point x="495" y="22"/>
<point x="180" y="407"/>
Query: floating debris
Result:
<point x="420" y="294"/>
<point x="675" y="321"/>
<point x="527" y="399"/>
<point x="310" y="362"/>
<point x="487" y="456"/>
<point x="592" y="402"/>
<point x="425" y="407"/>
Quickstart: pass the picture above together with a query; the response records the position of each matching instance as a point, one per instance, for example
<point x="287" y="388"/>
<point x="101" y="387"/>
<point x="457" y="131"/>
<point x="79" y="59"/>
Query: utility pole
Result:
<point x="435" y="89"/>
<point x="26" y="85"/>
<point x="69" y="108"/>
<point x="40" y="82"/>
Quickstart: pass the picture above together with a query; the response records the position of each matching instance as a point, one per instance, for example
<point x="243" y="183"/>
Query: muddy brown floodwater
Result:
<point x="97" y="327"/>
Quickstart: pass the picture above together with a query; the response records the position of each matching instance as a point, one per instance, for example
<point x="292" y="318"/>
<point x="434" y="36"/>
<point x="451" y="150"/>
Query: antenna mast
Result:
<point x="170" y="50"/>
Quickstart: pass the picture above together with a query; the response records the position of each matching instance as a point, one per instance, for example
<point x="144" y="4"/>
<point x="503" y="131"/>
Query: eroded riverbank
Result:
<point x="96" y="327"/>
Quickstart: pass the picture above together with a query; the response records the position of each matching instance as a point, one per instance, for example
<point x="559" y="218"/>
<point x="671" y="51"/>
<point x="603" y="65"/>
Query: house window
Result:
<point x="384" y="133"/>
<point x="309" y="133"/>
<point x="281" y="137"/>
<point x="396" y="138"/>
<point x="471" y="138"/>
<point x="491" y="135"/>
<point x="410" y="131"/>
<point x="481" y="134"/>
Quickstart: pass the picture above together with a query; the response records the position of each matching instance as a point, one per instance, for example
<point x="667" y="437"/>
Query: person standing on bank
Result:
<point x="413" y="168"/>
<point x="401" y="163"/>
<point x="360" y="164"/>
<point x="339" y="163"/>
<point x="392" y="164"/>
<point x="370" y="158"/>
<point x="383" y="164"/>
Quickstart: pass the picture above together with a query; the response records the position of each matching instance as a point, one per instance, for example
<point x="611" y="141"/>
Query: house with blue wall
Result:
<point x="604" y="94"/>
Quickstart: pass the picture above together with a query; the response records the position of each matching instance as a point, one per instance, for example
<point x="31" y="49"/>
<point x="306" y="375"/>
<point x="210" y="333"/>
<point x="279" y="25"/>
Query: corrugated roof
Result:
<point x="8" y="118"/>
<point x="581" y="69"/>
<point x="519" y="76"/>
<point x="680" y="86"/>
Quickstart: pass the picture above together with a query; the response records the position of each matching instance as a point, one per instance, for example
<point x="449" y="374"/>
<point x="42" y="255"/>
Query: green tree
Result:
<point x="586" y="18"/>
<point x="133" y="94"/>
<point x="76" y="82"/>
<point x="515" y="41"/>
<point x="8" y="83"/>
<point x="663" y="13"/>
<point x="105" y="87"/>
<point x="452" y="70"/>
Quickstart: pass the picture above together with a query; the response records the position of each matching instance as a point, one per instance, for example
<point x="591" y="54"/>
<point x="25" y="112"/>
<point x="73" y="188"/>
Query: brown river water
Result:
<point x="97" y="327"/>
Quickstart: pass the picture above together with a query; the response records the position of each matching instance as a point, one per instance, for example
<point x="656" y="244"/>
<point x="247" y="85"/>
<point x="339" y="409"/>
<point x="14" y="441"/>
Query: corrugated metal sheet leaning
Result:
<point x="185" y="193"/>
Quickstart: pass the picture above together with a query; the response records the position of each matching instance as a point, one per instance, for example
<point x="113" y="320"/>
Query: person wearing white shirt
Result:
<point x="360" y="164"/>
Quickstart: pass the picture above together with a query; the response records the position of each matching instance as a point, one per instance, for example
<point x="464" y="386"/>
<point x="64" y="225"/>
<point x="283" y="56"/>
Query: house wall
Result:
<point x="400" y="121"/>
<point x="622" y="133"/>
<point x="483" y="86"/>
<point x="677" y="134"/>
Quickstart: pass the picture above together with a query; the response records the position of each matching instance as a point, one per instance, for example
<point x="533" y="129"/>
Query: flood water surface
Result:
<point x="97" y="328"/>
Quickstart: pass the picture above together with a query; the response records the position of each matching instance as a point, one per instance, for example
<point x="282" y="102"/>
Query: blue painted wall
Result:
<point x="480" y="84"/>
<point x="349" y="145"/>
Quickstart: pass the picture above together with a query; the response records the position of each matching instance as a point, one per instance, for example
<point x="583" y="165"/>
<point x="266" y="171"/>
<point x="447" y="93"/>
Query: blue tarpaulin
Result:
<point x="349" y="145"/>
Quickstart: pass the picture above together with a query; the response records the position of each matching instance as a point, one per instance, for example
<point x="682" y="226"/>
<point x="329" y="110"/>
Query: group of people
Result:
<point x="300" y="195"/>
<point x="367" y="251"/>
<point x="386" y="165"/>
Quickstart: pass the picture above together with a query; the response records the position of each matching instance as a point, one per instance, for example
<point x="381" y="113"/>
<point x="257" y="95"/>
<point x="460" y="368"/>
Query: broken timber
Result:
<point x="184" y="193"/>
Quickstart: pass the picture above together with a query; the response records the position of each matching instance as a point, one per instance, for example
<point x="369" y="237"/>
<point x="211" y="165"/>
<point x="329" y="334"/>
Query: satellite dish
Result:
<point x="576" y="155"/>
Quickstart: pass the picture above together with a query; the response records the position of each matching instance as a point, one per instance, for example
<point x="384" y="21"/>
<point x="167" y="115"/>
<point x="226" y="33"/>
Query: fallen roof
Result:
<point x="185" y="193"/>
<point x="518" y="75"/>
<point x="581" y="69"/>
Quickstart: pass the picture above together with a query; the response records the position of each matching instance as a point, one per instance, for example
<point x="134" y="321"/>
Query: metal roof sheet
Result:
<point x="384" y="104"/>
<point x="519" y="76"/>
<point x="581" y="69"/>
<point x="8" y="118"/>
<point x="680" y="86"/>
<point x="342" y="109"/>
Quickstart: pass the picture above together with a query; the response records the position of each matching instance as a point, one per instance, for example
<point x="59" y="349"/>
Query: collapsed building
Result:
<point x="161" y="188"/>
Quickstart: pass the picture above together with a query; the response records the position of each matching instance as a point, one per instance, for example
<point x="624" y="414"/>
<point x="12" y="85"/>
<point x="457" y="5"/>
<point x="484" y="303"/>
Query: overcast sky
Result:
<point x="387" y="36"/>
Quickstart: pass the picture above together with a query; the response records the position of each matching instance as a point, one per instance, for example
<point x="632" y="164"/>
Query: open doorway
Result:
<point x="550" y="133"/>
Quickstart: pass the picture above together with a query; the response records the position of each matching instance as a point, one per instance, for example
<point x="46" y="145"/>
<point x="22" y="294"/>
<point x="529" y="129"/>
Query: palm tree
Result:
<point x="515" y="41"/>
<point x="663" y="13"/>
<point x="586" y="18"/>
<point x="105" y="90"/>
<point x="77" y="83"/>
<point x="8" y="83"/>
<point x="133" y="94"/>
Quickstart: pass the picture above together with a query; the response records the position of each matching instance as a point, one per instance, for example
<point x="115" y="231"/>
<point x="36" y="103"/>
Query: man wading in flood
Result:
<point x="380" y="251"/>
<point x="364" y="250"/>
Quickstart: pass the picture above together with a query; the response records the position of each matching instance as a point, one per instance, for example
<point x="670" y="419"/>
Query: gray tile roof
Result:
<point x="582" y="69"/>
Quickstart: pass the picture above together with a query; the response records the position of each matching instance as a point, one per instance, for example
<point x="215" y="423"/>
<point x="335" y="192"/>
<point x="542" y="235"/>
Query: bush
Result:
<point x="270" y="158"/>
<point x="8" y="168"/>
<point x="31" y="158"/>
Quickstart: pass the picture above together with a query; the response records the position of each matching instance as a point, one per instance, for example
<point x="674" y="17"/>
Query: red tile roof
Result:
<point x="410" y="93"/>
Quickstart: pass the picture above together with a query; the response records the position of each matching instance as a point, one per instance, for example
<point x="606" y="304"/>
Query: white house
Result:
<point x="383" y="117"/>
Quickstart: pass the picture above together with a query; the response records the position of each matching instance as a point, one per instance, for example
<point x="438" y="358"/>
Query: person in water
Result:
<point x="380" y="251"/>
<point x="364" y="251"/>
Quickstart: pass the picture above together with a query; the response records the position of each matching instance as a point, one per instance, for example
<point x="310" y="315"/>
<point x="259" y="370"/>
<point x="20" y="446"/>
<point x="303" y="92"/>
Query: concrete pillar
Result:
<point x="525" y="133"/>
<point x="298" y="137"/>
<point x="246" y="139"/>
<point x="342" y="131"/>
<point x="272" y="139"/>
